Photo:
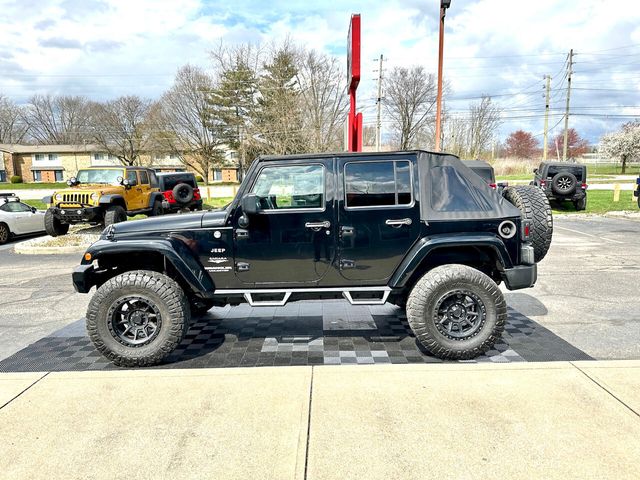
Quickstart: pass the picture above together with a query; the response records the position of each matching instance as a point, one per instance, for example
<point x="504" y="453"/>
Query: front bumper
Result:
<point x="77" y="214"/>
<point x="83" y="278"/>
<point x="521" y="276"/>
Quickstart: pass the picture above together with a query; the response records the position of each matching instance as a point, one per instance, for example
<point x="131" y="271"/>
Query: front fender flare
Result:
<point x="111" y="198"/>
<point x="421" y="250"/>
<point x="175" y="251"/>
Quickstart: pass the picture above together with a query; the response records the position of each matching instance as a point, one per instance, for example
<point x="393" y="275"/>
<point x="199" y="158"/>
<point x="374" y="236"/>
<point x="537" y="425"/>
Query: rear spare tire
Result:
<point x="564" y="183"/>
<point x="53" y="226"/>
<point x="138" y="318"/>
<point x="456" y="312"/>
<point x="534" y="206"/>
<point x="183" y="193"/>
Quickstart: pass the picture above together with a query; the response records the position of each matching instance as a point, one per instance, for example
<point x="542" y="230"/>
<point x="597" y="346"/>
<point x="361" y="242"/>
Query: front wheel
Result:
<point x="53" y="226"/>
<point x="138" y="318"/>
<point x="114" y="214"/>
<point x="456" y="312"/>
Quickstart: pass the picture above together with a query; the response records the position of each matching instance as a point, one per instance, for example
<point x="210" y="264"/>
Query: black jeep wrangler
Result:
<point x="416" y="229"/>
<point x="563" y="181"/>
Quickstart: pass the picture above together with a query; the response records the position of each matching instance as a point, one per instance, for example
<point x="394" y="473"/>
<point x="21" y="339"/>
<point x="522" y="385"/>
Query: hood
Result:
<point x="163" y="223"/>
<point x="91" y="187"/>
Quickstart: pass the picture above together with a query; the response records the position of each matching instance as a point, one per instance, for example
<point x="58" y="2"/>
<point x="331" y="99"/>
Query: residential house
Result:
<point x="58" y="163"/>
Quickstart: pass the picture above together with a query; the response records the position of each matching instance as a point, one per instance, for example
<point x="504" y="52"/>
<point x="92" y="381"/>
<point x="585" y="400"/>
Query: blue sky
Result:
<point x="106" y="48"/>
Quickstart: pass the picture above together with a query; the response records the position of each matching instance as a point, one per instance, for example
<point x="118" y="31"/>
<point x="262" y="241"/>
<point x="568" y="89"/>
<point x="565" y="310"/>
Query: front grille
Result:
<point x="77" y="198"/>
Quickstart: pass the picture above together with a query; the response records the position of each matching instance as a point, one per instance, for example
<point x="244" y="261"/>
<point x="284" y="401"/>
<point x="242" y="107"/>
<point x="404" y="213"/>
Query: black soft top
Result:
<point x="449" y="189"/>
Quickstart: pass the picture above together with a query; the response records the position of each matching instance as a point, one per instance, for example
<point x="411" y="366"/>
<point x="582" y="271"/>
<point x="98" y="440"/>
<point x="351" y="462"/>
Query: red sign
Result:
<point x="353" y="74"/>
<point x="353" y="52"/>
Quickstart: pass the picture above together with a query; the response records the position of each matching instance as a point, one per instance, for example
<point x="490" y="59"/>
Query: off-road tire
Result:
<point x="5" y="233"/>
<point x="114" y="214"/>
<point x="534" y="206"/>
<point x="444" y="281"/>
<point x="155" y="287"/>
<point x="200" y="306"/>
<point x="183" y="193"/>
<point x="157" y="209"/>
<point x="53" y="226"/>
<point x="581" y="204"/>
<point x="559" y="178"/>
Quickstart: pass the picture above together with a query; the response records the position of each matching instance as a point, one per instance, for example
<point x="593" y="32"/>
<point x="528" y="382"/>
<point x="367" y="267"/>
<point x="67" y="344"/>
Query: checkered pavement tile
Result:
<point x="303" y="333"/>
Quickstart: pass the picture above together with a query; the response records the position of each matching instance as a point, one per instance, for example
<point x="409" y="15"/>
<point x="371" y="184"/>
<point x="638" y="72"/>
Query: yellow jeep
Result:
<point x="103" y="195"/>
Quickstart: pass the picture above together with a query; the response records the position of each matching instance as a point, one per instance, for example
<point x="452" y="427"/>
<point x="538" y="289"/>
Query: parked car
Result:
<point x="17" y="218"/>
<point x="180" y="191"/>
<point x="562" y="181"/>
<point x="417" y="229"/>
<point x="103" y="195"/>
<point x="637" y="191"/>
<point x="485" y="171"/>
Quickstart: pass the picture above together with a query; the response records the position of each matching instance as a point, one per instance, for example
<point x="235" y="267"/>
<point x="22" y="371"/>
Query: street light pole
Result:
<point x="444" y="4"/>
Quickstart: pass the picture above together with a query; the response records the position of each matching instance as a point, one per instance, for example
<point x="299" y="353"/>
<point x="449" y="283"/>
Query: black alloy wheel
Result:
<point x="134" y="321"/>
<point x="460" y="314"/>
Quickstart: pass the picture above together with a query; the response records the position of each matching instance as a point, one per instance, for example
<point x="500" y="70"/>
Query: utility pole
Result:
<point x="379" y="104"/>
<point x="444" y="4"/>
<point x="546" y="120"/>
<point x="566" y="114"/>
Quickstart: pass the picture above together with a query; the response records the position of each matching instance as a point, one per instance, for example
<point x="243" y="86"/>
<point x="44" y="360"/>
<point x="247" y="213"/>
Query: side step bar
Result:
<point x="286" y="293"/>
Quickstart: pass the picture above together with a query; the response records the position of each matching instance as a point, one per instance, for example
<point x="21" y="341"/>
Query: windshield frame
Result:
<point x="100" y="176"/>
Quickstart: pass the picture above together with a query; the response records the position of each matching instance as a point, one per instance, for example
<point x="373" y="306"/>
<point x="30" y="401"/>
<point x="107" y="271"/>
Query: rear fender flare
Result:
<point x="155" y="197"/>
<point x="422" y="249"/>
<point x="175" y="251"/>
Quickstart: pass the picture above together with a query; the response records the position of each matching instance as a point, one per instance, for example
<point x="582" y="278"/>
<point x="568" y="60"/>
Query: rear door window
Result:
<point x="378" y="184"/>
<point x="144" y="177"/>
<point x="574" y="169"/>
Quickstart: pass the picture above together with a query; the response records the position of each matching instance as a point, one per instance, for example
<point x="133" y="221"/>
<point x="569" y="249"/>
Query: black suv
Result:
<point x="563" y="181"/>
<point x="637" y="191"/>
<point x="417" y="229"/>
<point x="180" y="191"/>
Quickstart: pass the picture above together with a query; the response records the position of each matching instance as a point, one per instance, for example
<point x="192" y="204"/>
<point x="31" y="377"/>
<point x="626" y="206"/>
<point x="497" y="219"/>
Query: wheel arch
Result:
<point x="169" y="256"/>
<point x="483" y="252"/>
<point x="109" y="200"/>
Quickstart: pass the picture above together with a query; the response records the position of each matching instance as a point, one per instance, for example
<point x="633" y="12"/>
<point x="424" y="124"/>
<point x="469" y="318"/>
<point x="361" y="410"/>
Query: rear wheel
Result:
<point x="138" y="318"/>
<point x="5" y="233"/>
<point x="157" y="209"/>
<point x="581" y="204"/>
<point x="456" y="312"/>
<point x="114" y="214"/>
<point x="53" y="226"/>
<point x="534" y="206"/>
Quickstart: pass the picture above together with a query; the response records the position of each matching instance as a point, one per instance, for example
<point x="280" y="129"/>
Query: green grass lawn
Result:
<point x="600" y="201"/>
<point x="31" y="186"/>
<point x="36" y="203"/>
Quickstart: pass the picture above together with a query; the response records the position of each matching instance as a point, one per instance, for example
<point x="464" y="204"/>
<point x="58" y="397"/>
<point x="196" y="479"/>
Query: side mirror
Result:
<point x="250" y="204"/>
<point x="34" y="209"/>
<point x="535" y="170"/>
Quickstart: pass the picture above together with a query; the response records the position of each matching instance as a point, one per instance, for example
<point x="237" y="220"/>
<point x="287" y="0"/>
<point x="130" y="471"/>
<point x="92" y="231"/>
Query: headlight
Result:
<point x="95" y="197"/>
<point x="58" y="197"/>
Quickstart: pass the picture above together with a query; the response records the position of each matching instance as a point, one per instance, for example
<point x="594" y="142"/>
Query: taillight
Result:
<point x="543" y="183"/>
<point x="526" y="230"/>
<point x="584" y="186"/>
<point x="493" y="185"/>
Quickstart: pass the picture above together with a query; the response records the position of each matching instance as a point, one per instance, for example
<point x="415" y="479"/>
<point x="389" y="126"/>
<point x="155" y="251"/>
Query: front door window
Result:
<point x="297" y="186"/>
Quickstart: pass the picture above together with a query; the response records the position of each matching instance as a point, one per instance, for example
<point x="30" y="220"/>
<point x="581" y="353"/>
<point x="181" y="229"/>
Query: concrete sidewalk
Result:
<point x="546" y="420"/>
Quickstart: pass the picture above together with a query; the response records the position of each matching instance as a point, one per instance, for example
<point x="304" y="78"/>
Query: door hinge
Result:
<point x="242" y="267"/>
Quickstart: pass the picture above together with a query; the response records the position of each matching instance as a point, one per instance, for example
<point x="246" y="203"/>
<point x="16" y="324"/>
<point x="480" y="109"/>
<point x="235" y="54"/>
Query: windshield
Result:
<point x="109" y="175"/>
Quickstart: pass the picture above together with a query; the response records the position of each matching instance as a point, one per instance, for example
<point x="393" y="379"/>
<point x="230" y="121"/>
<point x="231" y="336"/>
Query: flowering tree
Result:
<point x="521" y="144"/>
<point x="624" y="144"/>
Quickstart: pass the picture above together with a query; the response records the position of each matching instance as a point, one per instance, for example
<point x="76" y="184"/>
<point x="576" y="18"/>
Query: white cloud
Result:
<point x="106" y="48"/>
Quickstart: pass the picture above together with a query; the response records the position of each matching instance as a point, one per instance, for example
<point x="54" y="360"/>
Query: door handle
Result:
<point x="398" y="223"/>
<point x="318" y="225"/>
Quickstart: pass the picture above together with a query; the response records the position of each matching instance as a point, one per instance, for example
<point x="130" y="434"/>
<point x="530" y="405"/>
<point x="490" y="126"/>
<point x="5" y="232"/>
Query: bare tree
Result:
<point x="188" y="127"/>
<point x="12" y="128"/>
<point x="369" y="135"/>
<point x="121" y="127"/>
<point x="58" y="119"/>
<point x="410" y="98"/>
<point x="484" y="121"/>
<point x="323" y="99"/>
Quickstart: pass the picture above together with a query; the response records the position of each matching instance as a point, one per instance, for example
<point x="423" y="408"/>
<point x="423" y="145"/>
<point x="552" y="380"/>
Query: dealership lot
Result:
<point x="585" y="305"/>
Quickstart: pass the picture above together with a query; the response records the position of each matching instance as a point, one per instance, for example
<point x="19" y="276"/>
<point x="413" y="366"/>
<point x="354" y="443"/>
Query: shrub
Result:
<point x="15" y="179"/>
